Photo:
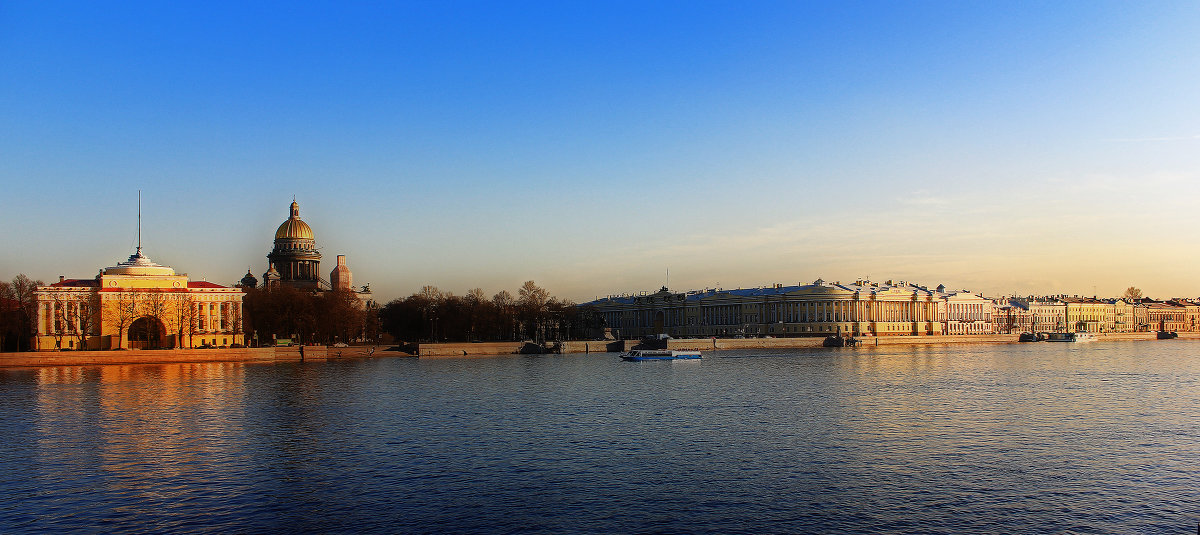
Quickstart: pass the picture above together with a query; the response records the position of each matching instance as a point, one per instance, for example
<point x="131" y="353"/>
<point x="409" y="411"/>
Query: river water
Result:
<point x="1029" y="438"/>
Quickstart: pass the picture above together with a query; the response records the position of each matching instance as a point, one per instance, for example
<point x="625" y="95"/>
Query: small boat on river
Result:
<point x="659" y="354"/>
<point x="1070" y="337"/>
<point x="1030" y="337"/>
<point x="1167" y="335"/>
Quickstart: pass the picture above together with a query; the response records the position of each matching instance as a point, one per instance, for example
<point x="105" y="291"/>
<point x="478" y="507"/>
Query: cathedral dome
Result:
<point x="294" y="228"/>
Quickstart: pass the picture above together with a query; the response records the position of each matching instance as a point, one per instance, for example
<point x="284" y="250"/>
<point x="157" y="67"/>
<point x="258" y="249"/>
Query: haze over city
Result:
<point x="1003" y="147"/>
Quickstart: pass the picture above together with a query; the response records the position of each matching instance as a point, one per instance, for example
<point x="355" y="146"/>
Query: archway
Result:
<point x="146" y="332"/>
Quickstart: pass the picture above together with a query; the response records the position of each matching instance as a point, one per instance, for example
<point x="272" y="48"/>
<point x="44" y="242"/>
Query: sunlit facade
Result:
<point x="818" y="309"/>
<point x="137" y="304"/>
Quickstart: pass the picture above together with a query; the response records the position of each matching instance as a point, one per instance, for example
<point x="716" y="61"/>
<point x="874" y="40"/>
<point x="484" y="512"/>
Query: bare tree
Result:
<point x="22" y="289"/>
<point x="506" y="319"/>
<point x="86" y="311"/>
<point x="341" y="316"/>
<point x="155" y="303"/>
<point x="60" y="317"/>
<point x="8" y="314"/>
<point x="532" y="301"/>
<point x="475" y="301"/>
<point x="185" y="318"/>
<point x="123" y="308"/>
<point x="371" y="322"/>
<point x="235" y="318"/>
<point x="1132" y="294"/>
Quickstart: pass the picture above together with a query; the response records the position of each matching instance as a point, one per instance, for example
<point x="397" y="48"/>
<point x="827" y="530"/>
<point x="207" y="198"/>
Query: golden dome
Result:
<point x="294" y="228"/>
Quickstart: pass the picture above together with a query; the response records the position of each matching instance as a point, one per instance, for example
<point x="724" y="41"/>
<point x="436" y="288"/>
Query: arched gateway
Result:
<point x="146" y="332"/>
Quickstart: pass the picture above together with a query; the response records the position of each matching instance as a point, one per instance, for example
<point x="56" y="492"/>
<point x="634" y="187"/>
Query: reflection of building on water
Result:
<point x="164" y="415"/>
<point x="137" y="304"/>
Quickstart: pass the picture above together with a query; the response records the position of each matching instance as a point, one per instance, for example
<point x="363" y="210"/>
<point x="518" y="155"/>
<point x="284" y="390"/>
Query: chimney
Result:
<point x="61" y="278"/>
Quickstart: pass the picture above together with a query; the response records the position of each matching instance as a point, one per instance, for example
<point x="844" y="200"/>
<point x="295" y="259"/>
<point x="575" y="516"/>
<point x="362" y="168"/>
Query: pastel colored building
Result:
<point x="817" y="309"/>
<point x="1047" y="314"/>
<point x="1089" y="314"/>
<point x="1165" y="316"/>
<point x="137" y="304"/>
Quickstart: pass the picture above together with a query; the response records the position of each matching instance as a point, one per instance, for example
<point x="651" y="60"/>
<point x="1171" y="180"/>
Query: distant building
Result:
<point x="295" y="261"/>
<point x="1047" y="314"/>
<point x="295" y="256"/>
<point x="137" y="304"/>
<point x="967" y="313"/>
<point x="1165" y="315"/>
<point x="340" y="278"/>
<point x="817" y="309"/>
<point x="1089" y="314"/>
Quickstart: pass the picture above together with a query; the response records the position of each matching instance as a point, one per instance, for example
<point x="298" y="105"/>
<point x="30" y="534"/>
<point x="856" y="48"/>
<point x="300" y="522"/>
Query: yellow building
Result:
<point x="1089" y="314"/>
<point x="137" y="304"/>
<point x="1191" y="310"/>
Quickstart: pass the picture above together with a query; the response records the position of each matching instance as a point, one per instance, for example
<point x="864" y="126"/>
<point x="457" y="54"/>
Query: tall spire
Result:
<point x="139" y="249"/>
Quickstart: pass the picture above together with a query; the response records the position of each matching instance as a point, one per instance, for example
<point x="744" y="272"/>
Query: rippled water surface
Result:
<point x="1030" y="438"/>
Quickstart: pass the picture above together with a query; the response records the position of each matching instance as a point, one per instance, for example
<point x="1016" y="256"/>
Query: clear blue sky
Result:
<point x="1001" y="147"/>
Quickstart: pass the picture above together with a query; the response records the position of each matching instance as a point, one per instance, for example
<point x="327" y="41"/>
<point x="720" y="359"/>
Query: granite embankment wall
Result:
<point x="478" y="349"/>
<point x="163" y="356"/>
<point x="317" y="353"/>
<point x="709" y="344"/>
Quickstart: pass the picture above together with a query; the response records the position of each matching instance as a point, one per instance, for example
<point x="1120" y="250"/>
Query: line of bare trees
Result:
<point x="77" y="315"/>
<point x="307" y="317"/>
<point x="432" y="315"/>
<point x="18" y="313"/>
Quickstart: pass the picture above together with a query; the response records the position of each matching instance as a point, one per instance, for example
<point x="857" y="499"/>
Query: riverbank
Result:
<point x="488" y="349"/>
<point x="164" y="356"/>
<point x="447" y="350"/>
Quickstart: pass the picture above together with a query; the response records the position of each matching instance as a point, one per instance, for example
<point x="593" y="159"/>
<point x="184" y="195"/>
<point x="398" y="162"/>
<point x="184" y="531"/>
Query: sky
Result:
<point x="595" y="147"/>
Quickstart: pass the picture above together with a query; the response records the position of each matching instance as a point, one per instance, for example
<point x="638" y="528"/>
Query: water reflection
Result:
<point x="1029" y="438"/>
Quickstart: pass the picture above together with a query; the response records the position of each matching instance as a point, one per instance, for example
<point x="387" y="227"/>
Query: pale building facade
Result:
<point x="1047" y="315"/>
<point x="1124" y="316"/>
<point x="865" y="308"/>
<point x="967" y="313"/>
<point x="137" y="304"/>
<point x="1165" y="316"/>
<point x="862" y="308"/>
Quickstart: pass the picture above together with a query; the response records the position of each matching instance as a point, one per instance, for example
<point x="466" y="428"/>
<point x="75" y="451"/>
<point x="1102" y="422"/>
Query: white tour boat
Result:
<point x="1070" y="337"/>
<point x="659" y="354"/>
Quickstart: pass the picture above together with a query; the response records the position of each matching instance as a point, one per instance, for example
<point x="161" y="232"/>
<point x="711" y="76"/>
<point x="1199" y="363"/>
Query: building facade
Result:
<point x="137" y="304"/>
<point x="818" y="309"/>
<point x="295" y="259"/>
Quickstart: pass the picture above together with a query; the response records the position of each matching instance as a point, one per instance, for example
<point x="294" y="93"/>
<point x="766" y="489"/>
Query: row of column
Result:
<point x="301" y="270"/>
<point x="830" y="311"/>
<point x="52" y="317"/>
<point x="58" y="317"/>
<point x="220" y="314"/>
